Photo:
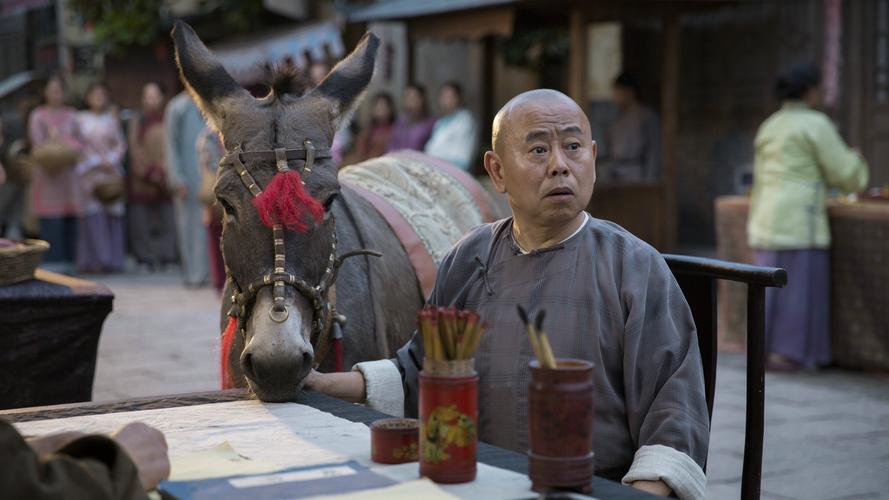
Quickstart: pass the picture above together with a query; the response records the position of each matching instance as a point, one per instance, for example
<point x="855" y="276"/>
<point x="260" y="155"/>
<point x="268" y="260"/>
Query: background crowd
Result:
<point x="100" y="183"/>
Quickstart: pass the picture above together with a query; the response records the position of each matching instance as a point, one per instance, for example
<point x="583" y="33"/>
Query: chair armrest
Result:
<point x="732" y="271"/>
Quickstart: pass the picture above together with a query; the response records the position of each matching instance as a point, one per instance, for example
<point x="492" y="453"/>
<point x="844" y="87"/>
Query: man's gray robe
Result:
<point x="609" y="298"/>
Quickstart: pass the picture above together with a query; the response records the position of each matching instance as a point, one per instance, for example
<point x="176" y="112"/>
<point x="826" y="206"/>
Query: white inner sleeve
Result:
<point x="382" y="382"/>
<point x="662" y="463"/>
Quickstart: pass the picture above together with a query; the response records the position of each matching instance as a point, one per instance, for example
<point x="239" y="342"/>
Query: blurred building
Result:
<point x="707" y="66"/>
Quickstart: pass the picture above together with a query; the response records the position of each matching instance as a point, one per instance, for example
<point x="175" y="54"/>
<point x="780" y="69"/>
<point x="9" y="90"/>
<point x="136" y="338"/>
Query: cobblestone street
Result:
<point x="827" y="433"/>
<point x="160" y="338"/>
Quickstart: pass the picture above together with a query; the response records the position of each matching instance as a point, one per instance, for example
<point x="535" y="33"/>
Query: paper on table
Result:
<point x="219" y="461"/>
<point x="283" y="435"/>
<point x="420" y="488"/>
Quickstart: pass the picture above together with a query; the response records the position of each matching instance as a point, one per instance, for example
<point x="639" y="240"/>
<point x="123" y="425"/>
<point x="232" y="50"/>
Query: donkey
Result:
<point x="279" y="307"/>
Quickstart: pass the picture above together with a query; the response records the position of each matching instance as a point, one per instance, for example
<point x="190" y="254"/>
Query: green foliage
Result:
<point x="535" y="49"/>
<point x="121" y="23"/>
<point x="242" y="15"/>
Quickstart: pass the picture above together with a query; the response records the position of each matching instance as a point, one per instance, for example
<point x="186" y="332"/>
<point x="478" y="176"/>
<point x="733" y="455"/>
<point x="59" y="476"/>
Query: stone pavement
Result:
<point x="160" y="338"/>
<point x="827" y="433"/>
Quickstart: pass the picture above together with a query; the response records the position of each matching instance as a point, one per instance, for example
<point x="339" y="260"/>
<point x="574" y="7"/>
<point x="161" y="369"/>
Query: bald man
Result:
<point x="609" y="297"/>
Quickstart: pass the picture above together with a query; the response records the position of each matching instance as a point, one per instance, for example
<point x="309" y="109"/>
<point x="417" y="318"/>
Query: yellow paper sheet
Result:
<point x="412" y="490"/>
<point x="219" y="461"/>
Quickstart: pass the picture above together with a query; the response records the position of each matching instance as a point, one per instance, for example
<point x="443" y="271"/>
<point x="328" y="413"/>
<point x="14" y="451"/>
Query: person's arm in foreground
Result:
<point x="72" y="465"/>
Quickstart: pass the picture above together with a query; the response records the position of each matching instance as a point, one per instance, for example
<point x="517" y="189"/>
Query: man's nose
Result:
<point x="558" y="165"/>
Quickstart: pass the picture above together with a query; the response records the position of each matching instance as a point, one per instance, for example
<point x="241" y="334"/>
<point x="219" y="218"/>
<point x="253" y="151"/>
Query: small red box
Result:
<point x="394" y="440"/>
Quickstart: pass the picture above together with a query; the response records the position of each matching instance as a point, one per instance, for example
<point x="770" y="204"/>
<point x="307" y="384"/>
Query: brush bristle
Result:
<point x="522" y="314"/>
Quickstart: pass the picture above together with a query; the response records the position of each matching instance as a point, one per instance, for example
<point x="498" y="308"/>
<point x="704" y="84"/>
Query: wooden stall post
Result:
<point x="577" y="61"/>
<point x="670" y="127"/>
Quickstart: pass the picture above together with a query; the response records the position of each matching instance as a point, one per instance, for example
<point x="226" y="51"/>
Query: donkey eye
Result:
<point x="229" y="209"/>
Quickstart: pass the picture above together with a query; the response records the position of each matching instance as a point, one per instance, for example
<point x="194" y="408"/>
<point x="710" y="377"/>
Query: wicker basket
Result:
<point x="19" y="262"/>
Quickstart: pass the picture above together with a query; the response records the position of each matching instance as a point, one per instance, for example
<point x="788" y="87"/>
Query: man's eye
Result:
<point x="538" y="150"/>
<point x="574" y="146"/>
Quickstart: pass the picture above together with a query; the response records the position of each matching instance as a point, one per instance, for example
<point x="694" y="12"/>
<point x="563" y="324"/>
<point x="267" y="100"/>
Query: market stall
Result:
<point x="49" y="336"/>
<point x="859" y="279"/>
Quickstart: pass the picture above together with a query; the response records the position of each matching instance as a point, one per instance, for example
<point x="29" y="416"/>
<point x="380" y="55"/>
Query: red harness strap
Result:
<point x="337" y="355"/>
<point x="228" y="338"/>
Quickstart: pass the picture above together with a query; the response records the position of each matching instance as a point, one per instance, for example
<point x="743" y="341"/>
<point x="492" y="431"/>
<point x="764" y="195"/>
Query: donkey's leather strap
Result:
<point x="289" y="154"/>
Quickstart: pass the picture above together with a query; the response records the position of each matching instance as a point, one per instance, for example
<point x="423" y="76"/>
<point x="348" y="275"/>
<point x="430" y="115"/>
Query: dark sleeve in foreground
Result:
<point x="92" y="467"/>
<point x="663" y="374"/>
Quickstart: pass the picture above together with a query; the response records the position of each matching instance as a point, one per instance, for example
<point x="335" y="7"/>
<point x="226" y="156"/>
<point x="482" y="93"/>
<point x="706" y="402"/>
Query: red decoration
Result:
<point x="284" y="201"/>
<point x="228" y="338"/>
<point x="337" y="355"/>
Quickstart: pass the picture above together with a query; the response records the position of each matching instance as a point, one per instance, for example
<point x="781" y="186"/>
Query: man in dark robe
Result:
<point x="610" y="299"/>
<point x="634" y="140"/>
<point x="77" y="466"/>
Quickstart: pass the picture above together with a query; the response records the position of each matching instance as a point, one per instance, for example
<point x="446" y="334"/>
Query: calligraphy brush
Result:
<point x="532" y="334"/>
<point x="549" y="358"/>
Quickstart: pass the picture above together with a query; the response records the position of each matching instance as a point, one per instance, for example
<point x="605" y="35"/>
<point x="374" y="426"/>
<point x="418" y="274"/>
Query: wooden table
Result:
<point x="491" y="455"/>
<point x="49" y="333"/>
<point x="859" y="278"/>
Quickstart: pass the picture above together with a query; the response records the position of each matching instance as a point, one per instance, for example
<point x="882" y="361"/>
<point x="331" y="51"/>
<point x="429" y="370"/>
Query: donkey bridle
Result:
<point x="324" y="315"/>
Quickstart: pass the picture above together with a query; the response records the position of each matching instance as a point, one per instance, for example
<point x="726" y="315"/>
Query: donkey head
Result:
<point x="276" y="324"/>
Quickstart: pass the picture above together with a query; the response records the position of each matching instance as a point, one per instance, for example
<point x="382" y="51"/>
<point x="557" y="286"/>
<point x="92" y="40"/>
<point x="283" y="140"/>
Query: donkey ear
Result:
<point x="346" y="82"/>
<point x="203" y="76"/>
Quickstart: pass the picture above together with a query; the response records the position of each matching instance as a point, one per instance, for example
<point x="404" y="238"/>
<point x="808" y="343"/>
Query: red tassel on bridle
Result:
<point x="228" y="338"/>
<point x="285" y="201"/>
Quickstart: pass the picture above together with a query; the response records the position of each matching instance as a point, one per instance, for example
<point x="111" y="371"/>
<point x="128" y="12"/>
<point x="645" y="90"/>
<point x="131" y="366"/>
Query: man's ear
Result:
<point x="494" y="166"/>
<point x="346" y="82"/>
<point x="213" y="89"/>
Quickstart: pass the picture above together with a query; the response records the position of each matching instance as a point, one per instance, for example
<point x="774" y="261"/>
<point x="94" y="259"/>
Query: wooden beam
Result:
<point x="670" y="128"/>
<point x="578" y="56"/>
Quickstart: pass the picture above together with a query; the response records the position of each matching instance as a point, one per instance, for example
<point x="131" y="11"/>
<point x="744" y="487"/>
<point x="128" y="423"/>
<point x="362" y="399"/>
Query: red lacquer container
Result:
<point x="448" y="421"/>
<point x="560" y="426"/>
<point x="394" y="440"/>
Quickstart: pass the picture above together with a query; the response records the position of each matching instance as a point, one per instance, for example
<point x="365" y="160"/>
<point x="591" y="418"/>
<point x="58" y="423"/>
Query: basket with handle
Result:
<point x="18" y="261"/>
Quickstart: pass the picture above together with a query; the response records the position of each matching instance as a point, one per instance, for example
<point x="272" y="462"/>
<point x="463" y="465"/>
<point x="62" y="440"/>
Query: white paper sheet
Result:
<point x="281" y="435"/>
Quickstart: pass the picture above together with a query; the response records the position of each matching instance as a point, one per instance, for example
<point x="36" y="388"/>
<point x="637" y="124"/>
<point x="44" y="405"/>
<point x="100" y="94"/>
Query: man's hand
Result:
<point x="658" y="488"/>
<point x="346" y="385"/>
<point x="147" y="448"/>
<point x="44" y="445"/>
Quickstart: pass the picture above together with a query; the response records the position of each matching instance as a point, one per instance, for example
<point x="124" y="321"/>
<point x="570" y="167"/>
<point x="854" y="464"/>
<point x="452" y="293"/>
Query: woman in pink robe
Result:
<point x="55" y="197"/>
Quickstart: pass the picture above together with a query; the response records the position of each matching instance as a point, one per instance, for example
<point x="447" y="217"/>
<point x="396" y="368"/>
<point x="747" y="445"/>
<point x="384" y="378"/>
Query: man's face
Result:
<point x="548" y="162"/>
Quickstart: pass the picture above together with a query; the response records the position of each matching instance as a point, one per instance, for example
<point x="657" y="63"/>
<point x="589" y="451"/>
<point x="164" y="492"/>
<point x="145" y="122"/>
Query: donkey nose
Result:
<point x="269" y="367"/>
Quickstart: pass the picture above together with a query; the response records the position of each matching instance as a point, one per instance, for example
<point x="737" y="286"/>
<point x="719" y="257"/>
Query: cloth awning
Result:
<point x="246" y="58"/>
<point x="15" y="82"/>
<point x="405" y="9"/>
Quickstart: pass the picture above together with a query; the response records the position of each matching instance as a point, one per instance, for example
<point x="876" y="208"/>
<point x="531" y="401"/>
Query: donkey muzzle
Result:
<point x="278" y="356"/>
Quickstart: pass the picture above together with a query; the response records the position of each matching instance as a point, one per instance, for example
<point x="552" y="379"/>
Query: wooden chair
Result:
<point x="698" y="279"/>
